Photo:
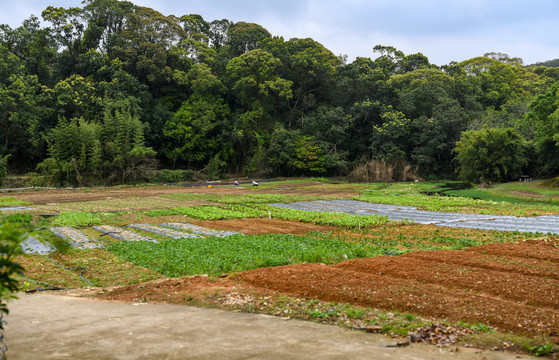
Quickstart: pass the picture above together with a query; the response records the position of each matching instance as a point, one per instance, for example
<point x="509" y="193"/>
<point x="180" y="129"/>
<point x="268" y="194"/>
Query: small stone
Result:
<point x="373" y="329"/>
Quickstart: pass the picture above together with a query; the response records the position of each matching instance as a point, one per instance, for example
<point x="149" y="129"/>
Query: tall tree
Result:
<point x="543" y="120"/>
<point x="308" y="65"/>
<point x="244" y="37"/>
<point x="32" y="45"/>
<point x="22" y="101"/>
<point x="192" y="132"/>
<point x="148" y="36"/>
<point x="106" y="20"/>
<point x="490" y="155"/>
<point x="67" y="26"/>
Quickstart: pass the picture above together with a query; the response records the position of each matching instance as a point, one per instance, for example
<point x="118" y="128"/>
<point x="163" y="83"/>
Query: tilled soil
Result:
<point x="513" y="287"/>
<point x="440" y="284"/>
<point x="266" y="226"/>
<point x="93" y="194"/>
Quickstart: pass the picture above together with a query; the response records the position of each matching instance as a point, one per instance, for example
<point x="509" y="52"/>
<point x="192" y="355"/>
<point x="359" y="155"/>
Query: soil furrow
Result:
<point x="336" y="284"/>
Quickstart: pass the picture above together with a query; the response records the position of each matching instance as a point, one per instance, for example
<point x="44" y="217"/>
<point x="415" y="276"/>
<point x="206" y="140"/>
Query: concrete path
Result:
<point x="47" y="326"/>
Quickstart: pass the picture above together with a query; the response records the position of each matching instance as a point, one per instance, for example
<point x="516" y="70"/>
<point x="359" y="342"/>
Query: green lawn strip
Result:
<point x="6" y="201"/>
<point x="215" y="255"/>
<point x="216" y="213"/>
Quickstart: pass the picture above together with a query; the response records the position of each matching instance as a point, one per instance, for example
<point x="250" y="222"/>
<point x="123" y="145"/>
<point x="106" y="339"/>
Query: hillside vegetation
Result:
<point x="112" y="92"/>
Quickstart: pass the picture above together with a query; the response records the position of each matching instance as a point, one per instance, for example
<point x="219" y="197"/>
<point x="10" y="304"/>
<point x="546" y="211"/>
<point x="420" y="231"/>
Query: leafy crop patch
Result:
<point x="11" y="201"/>
<point x="236" y="253"/>
<point x="329" y="218"/>
<point x="76" y="219"/>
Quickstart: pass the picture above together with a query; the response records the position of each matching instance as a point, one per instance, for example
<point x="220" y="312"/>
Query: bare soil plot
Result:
<point x="74" y="195"/>
<point x="513" y="297"/>
<point x="513" y="287"/>
<point x="266" y="226"/>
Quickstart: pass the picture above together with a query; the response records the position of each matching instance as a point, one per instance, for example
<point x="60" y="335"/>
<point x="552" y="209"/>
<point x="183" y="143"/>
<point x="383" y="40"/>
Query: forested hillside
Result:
<point x="109" y="92"/>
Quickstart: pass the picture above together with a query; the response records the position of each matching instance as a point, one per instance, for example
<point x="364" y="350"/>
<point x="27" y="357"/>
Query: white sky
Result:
<point x="443" y="30"/>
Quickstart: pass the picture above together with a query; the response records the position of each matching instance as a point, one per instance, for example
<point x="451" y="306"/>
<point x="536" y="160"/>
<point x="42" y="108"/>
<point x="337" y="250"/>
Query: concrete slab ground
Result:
<point x="46" y="326"/>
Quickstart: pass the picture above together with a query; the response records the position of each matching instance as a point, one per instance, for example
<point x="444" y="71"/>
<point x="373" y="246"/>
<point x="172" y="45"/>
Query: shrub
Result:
<point x="167" y="176"/>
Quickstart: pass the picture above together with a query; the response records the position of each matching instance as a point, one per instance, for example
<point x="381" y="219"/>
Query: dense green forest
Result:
<point x="110" y="92"/>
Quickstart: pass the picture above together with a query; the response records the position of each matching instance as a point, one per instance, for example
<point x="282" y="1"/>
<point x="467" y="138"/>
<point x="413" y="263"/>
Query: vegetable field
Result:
<point x="236" y="251"/>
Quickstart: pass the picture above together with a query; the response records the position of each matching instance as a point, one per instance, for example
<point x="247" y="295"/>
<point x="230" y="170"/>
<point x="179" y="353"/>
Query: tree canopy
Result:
<point x="109" y="92"/>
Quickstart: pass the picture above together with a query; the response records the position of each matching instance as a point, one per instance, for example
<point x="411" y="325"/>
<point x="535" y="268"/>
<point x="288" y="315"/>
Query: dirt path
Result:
<point x="46" y="326"/>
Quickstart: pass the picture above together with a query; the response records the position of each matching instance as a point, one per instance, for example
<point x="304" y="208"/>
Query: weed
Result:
<point x="482" y="328"/>
<point x="541" y="350"/>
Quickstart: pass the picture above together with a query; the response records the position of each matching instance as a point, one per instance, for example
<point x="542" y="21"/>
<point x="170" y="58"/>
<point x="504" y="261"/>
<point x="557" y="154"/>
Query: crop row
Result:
<point x="410" y="195"/>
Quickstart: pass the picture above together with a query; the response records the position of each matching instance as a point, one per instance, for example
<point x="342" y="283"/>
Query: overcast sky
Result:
<point x="443" y="30"/>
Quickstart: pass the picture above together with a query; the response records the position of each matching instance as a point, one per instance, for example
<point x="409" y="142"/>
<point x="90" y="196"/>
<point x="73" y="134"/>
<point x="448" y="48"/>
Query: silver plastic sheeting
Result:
<point x="538" y="224"/>
<point x="32" y="245"/>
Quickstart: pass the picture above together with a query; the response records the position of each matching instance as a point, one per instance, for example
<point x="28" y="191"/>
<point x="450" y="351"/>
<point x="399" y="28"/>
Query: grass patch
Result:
<point x="237" y="253"/>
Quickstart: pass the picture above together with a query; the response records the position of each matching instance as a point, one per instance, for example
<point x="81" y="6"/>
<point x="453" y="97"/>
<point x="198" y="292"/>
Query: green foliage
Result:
<point x="244" y="37"/>
<point x="237" y="253"/>
<point x="76" y="219"/>
<point x="326" y="218"/>
<point x="494" y="202"/>
<point x="540" y="350"/>
<point x="167" y="176"/>
<point x="490" y="155"/>
<point x="3" y="168"/>
<point x="75" y="150"/>
<point x="217" y="213"/>
<point x="22" y="105"/>
<point x="103" y="93"/>
<point x="10" y="239"/>
<point x="22" y="221"/>
<point x="191" y="132"/>
<point x="543" y="119"/>
<point x="309" y="156"/>
<point x="11" y="201"/>
<point x="81" y="151"/>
